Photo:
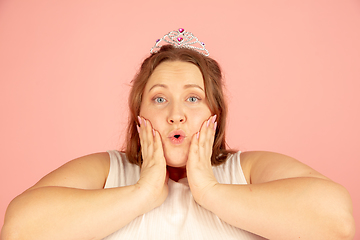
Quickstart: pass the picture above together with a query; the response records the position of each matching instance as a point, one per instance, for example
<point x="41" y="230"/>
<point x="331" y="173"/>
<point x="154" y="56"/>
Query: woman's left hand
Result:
<point x="199" y="171"/>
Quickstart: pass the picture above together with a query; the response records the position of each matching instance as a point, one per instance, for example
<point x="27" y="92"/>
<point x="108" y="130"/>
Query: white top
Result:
<point x="179" y="217"/>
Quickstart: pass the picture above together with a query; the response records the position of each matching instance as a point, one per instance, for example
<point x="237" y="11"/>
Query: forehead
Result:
<point x="176" y="72"/>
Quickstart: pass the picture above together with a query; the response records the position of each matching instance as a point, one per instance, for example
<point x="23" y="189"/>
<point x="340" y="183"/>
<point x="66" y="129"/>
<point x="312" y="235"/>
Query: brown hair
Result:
<point x="213" y="82"/>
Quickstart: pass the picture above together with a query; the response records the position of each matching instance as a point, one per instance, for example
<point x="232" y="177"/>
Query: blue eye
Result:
<point x="193" y="99"/>
<point x="159" y="100"/>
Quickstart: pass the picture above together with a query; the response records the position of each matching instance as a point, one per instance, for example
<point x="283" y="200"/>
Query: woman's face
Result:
<point x="174" y="102"/>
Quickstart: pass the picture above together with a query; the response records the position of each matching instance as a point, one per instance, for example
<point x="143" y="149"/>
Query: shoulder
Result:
<point x="263" y="166"/>
<point x="87" y="172"/>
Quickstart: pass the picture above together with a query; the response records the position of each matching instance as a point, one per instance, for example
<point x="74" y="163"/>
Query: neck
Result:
<point x="176" y="173"/>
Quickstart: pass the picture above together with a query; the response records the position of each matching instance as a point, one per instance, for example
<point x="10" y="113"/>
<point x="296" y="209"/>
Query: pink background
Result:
<point x="292" y="73"/>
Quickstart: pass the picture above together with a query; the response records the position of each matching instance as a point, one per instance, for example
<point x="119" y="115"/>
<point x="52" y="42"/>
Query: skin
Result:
<point x="284" y="199"/>
<point x="282" y="189"/>
<point x="173" y="99"/>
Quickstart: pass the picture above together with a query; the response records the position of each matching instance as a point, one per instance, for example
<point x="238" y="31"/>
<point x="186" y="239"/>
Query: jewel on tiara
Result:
<point x="181" y="39"/>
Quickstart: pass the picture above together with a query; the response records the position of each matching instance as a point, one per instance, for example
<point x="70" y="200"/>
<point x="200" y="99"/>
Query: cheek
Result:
<point x="155" y="117"/>
<point x="198" y="118"/>
<point x="145" y="111"/>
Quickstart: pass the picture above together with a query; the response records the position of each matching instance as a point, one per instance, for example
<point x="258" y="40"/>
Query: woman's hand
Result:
<point x="153" y="177"/>
<point x="199" y="171"/>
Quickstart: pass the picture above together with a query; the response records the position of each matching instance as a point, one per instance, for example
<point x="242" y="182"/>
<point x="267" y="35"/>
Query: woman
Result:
<point x="176" y="179"/>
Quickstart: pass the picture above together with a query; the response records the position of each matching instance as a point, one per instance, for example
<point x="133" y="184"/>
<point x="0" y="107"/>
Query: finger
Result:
<point x="211" y="128"/>
<point x="194" y="149"/>
<point x="210" y="124"/>
<point x="206" y="139"/>
<point x="141" y="137"/>
<point x="145" y="139"/>
<point x="204" y="132"/>
<point x="149" y="137"/>
<point x="159" y="157"/>
<point x="158" y="148"/>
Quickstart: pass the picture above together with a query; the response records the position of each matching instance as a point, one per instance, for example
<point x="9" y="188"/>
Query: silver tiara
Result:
<point x="181" y="39"/>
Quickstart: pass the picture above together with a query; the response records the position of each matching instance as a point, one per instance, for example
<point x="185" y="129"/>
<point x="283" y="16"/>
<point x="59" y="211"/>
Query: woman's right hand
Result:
<point x="153" y="177"/>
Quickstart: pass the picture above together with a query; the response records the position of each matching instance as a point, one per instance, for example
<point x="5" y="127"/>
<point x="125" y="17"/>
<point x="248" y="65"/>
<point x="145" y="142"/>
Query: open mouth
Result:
<point x="177" y="137"/>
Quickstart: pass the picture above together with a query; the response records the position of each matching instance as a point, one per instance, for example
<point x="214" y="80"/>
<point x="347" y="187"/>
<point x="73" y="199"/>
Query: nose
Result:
<point x="176" y="114"/>
<point x="176" y="120"/>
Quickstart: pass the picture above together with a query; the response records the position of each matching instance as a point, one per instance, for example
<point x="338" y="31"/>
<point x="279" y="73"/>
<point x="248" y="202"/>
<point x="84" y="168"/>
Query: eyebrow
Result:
<point x="185" y="86"/>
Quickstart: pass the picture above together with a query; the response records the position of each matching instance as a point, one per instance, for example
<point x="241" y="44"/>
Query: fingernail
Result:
<point x="138" y="129"/>
<point x="213" y="118"/>
<point x="215" y="125"/>
<point x="208" y="122"/>
<point x="145" y="122"/>
<point x="139" y="119"/>
<point x="197" y="135"/>
<point x="153" y="132"/>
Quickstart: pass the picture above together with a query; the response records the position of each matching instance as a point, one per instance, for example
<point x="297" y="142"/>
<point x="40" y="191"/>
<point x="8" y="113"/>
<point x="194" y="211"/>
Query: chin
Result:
<point x="176" y="159"/>
<point x="176" y="156"/>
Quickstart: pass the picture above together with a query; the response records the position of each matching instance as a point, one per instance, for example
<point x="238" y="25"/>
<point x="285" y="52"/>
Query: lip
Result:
<point x="177" y="140"/>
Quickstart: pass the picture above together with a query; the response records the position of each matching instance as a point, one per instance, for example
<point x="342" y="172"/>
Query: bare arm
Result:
<point x="285" y="200"/>
<point x="70" y="203"/>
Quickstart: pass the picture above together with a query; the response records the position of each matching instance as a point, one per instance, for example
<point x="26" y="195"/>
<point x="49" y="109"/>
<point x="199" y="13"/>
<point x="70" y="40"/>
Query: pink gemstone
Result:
<point x="181" y="30"/>
<point x="180" y="39"/>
